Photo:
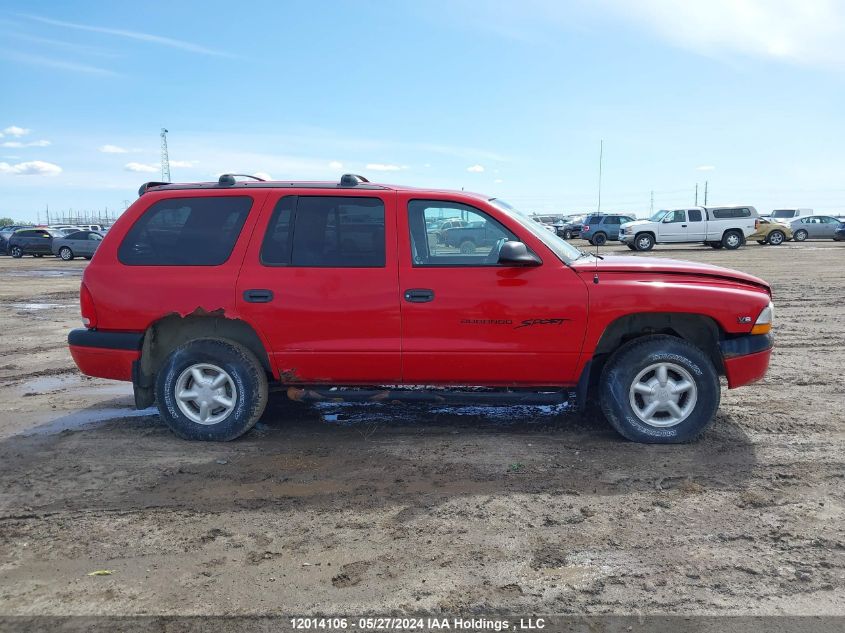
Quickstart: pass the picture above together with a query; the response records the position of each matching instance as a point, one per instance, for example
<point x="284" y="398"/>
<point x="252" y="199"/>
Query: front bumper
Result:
<point x="746" y="358"/>
<point x="105" y="354"/>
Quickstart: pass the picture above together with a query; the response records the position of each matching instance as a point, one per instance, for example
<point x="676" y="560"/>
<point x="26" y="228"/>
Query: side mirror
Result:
<point x="667" y="219"/>
<point x="515" y="253"/>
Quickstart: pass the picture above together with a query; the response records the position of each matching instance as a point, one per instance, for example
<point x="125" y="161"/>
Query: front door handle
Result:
<point x="258" y="296"/>
<point x="683" y="226"/>
<point x="419" y="295"/>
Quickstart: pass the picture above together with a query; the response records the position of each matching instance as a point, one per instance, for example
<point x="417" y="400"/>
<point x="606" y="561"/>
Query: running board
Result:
<point x="449" y="397"/>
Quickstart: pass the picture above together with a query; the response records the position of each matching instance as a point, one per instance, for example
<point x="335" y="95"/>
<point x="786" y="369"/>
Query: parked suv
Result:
<point x="598" y="228"/>
<point x="202" y="294"/>
<point x="718" y="227"/>
<point x="35" y="242"/>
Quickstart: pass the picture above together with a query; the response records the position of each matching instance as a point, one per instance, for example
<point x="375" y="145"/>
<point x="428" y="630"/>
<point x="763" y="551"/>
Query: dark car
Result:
<point x="474" y="234"/>
<point x="839" y="233"/>
<point x="5" y="234"/>
<point x="35" y="242"/>
<point x="77" y="244"/>
<point x="571" y="227"/>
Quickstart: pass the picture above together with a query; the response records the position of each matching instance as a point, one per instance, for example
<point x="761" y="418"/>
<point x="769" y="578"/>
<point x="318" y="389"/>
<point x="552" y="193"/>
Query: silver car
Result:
<point x="818" y="227"/>
<point x="77" y="244"/>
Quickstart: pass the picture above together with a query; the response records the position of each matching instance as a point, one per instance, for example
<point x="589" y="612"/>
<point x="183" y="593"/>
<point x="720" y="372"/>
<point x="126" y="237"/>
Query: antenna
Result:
<point x="601" y="155"/>
<point x="165" y="160"/>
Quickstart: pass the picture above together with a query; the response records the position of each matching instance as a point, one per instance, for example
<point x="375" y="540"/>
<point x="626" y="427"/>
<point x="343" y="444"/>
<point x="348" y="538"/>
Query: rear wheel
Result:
<point x="567" y="234"/>
<point x="16" y="252"/>
<point x="467" y="247"/>
<point x="599" y="239"/>
<point x="211" y="390"/>
<point x="65" y="253"/>
<point x="644" y="242"/>
<point x="776" y="238"/>
<point x="732" y="240"/>
<point x="659" y="390"/>
<point x="800" y="235"/>
<point x="631" y="246"/>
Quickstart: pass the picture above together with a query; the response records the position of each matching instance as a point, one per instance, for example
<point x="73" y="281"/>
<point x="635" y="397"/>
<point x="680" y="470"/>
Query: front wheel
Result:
<point x="776" y="238"/>
<point x="659" y="390"/>
<point x="211" y="390"/>
<point x="644" y="242"/>
<point x="467" y="247"/>
<point x="599" y="239"/>
<point x="800" y="235"/>
<point x="16" y="252"/>
<point x="631" y="246"/>
<point x="65" y="253"/>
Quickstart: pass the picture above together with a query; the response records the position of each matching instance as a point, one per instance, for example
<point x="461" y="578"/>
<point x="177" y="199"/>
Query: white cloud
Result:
<point x="31" y="168"/>
<point x="498" y="180"/>
<point x="705" y="168"/>
<point x="806" y="31"/>
<point x="60" y="64"/>
<point x="385" y="167"/>
<point x="113" y="149"/>
<point x="14" y="130"/>
<point x="476" y="169"/>
<point x="142" y="168"/>
<point x="18" y="144"/>
<point x="335" y="164"/>
<point x="183" y="163"/>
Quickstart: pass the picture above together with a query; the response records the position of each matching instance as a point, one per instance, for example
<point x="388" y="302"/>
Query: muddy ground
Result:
<point x="383" y="508"/>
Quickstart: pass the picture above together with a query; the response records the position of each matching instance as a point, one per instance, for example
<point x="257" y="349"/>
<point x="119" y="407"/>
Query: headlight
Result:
<point x="763" y="324"/>
<point x="629" y="230"/>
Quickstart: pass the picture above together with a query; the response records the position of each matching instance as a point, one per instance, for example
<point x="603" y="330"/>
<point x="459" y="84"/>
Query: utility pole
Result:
<point x="696" y="194"/>
<point x="165" y="160"/>
<point x="705" y="193"/>
<point x="601" y="156"/>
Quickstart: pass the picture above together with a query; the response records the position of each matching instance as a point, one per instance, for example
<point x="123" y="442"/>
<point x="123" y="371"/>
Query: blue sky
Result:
<point x="507" y="98"/>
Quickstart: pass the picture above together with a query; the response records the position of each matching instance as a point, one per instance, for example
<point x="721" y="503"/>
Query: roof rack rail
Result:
<point x="227" y="180"/>
<point x="351" y="180"/>
<point x="148" y="185"/>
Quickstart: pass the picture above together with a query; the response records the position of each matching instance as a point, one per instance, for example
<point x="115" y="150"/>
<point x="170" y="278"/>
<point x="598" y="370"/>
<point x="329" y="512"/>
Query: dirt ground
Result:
<point x="387" y="508"/>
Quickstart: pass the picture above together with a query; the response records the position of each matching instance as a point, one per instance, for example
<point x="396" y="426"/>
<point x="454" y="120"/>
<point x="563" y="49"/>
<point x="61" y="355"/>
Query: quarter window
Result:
<point x="694" y="215"/>
<point x="186" y="232"/>
<point x="326" y="232"/>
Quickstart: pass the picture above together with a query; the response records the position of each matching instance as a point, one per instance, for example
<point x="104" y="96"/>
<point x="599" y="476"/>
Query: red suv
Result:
<point x="201" y="294"/>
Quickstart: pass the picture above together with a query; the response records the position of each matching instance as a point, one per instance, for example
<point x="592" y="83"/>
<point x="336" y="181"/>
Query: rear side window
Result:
<point x="695" y="215"/>
<point x="722" y="214"/>
<point x="593" y="219"/>
<point x="186" y="232"/>
<point x="326" y="232"/>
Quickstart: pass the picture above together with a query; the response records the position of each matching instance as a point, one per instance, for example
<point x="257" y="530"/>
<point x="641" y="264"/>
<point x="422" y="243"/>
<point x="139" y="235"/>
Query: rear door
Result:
<point x="696" y="225"/>
<point x="320" y="282"/>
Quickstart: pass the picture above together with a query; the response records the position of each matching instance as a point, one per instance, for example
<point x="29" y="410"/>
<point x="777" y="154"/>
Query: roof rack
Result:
<point x="351" y="180"/>
<point x="227" y="180"/>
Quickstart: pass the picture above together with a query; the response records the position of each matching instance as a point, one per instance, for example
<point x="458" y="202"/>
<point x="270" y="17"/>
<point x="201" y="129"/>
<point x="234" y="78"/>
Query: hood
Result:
<point x="657" y="265"/>
<point x="640" y="222"/>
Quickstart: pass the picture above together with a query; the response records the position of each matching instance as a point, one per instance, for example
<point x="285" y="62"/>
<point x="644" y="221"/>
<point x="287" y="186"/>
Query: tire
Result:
<point x="16" y="252"/>
<point x="567" y="234"/>
<point x="732" y="240"/>
<point x="65" y="253"/>
<point x="599" y="239"/>
<point x="776" y="238"/>
<point x="800" y="235"/>
<point x="244" y="385"/>
<point x="762" y="242"/>
<point x="714" y="244"/>
<point x="638" y="362"/>
<point x="644" y="242"/>
<point x="631" y="246"/>
<point x="467" y="247"/>
<point x="38" y="255"/>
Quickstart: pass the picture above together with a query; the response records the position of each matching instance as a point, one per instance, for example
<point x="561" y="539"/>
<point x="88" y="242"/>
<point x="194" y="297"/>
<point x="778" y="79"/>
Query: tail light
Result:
<point x="586" y="227"/>
<point x="86" y="305"/>
<point x="756" y="224"/>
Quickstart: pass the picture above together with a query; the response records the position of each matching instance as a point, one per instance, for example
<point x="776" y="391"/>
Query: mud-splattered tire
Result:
<point x="628" y="373"/>
<point x="233" y="406"/>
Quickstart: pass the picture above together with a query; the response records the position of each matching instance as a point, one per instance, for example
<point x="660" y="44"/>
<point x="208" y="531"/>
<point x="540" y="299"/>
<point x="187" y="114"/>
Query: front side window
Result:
<point x="186" y="232"/>
<point x="326" y="232"/>
<point x="676" y="216"/>
<point x="475" y="241"/>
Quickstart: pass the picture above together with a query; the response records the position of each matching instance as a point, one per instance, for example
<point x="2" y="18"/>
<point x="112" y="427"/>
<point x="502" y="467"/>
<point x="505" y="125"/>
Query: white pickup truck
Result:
<point x="715" y="226"/>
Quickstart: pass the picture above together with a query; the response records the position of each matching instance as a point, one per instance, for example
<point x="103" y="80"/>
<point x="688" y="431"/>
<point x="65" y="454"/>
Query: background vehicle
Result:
<point x="35" y="242"/>
<point x="475" y="234"/>
<point x="814" y="227"/>
<point x="771" y="232"/>
<point x="600" y="227"/>
<point x="839" y="233"/>
<point x="76" y="244"/>
<point x="717" y="227"/>
<point x="200" y="293"/>
<point x="439" y="227"/>
<point x="5" y="234"/>
<point x="571" y="227"/>
<point x="786" y="215"/>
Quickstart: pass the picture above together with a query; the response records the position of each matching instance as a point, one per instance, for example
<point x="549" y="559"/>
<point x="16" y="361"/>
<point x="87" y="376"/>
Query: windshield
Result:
<point x="561" y="248"/>
<point x="657" y="217"/>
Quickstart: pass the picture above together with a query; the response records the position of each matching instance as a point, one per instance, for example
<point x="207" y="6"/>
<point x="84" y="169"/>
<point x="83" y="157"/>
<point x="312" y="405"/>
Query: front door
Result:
<point x="466" y="320"/>
<point x="674" y="227"/>
<point x="320" y="283"/>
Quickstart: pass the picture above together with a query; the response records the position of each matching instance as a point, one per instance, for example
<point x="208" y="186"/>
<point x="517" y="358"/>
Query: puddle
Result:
<point x="35" y="306"/>
<point x="49" y="272"/>
<point x="83" y="420"/>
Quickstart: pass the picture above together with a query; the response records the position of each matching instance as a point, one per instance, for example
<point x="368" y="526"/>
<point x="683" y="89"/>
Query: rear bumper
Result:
<point x="746" y="358"/>
<point x="105" y="354"/>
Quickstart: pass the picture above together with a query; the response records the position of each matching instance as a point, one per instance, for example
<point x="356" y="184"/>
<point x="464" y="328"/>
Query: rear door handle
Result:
<point x="419" y="295"/>
<point x="258" y="296"/>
